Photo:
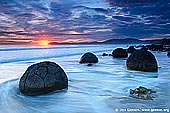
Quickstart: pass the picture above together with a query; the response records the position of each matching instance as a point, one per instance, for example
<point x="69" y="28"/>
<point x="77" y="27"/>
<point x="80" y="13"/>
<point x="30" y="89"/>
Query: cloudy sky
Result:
<point x="23" y="21"/>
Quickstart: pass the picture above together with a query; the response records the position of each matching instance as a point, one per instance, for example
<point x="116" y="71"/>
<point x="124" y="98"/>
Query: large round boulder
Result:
<point x="42" y="78"/>
<point x="88" y="58"/>
<point x="119" y="53"/>
<point x="142" y="61"/>
<point x="131" y="49"/>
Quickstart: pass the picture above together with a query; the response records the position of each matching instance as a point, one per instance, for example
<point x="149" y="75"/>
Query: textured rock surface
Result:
<point x="142" y="93"/>
<point x="42" y="78"/>
<point x="88" y="58"/>
<point x="131" y="49"/>
<point x="142" y="61"/>
<point x="119" y="53"/>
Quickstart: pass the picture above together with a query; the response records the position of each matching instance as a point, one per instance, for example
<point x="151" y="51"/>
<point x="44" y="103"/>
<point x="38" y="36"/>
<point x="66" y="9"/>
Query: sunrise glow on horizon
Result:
<point x="80" y="21"/>
<point x="43" y="42"/>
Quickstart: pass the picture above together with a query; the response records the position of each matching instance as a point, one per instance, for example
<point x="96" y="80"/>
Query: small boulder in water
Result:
<point x="104" y="54"/>
<point x="142" y="61"/>
<point x="119" y="53"/>
<point x="42" y="78"/>
<point x="142" y="93"/>
<point x="88" y="58"/>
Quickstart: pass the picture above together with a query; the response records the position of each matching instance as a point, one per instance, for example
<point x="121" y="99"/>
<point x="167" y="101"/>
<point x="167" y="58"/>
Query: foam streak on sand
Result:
<point x="103" y="87"/>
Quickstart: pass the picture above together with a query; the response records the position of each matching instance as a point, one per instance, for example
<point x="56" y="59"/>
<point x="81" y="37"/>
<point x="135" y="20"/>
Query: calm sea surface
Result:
<point x="101" y="88"/>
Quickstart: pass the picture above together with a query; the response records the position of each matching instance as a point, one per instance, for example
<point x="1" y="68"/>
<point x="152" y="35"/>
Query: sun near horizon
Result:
<point x="43" y="42"/>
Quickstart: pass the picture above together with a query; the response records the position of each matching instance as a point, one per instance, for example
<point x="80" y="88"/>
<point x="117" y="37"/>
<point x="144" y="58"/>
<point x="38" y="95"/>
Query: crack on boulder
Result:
<point x="42" y="78"/>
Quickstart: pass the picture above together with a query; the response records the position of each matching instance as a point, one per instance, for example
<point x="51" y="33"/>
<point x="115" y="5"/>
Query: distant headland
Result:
<point x="165" y="41"/>
<point x="123" y="41"/>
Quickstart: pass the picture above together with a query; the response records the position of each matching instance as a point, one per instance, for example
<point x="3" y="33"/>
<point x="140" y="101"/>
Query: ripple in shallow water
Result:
<point x="63" y="101"/>
<point x="12" y="100"/>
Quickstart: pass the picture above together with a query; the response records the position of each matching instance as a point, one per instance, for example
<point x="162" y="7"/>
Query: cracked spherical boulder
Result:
<point x="142" y="61"/>
<point x="43" y="77"/>
<point x="88" y="58"/>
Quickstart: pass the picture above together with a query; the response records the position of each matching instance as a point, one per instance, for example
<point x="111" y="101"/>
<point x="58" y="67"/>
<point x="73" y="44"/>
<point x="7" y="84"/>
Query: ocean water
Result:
<point x="101" y="88"/>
